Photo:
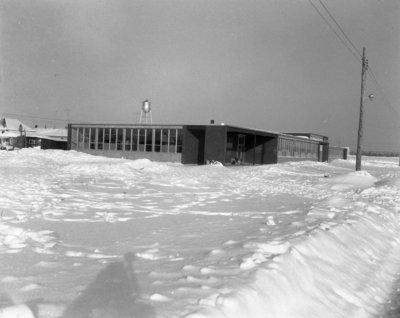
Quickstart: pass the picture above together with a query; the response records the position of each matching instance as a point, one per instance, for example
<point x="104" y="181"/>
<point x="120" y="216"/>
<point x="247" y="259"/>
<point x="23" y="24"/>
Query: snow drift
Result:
<point x="302" y="239"/>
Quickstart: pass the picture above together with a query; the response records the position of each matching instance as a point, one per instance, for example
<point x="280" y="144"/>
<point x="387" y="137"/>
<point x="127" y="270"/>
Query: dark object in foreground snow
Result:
<point x="114" y="293"/>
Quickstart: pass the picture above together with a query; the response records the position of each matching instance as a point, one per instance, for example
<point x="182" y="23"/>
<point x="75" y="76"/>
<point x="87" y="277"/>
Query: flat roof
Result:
<point x="298" y="136"/>
<point x="123" y="125"/>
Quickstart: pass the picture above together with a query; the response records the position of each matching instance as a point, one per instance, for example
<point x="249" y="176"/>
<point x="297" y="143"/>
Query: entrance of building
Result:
<point x="235" y="148"/>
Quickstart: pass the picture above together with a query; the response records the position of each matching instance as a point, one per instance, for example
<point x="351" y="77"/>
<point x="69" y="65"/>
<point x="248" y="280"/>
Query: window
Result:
<point x="172" y="140"/>
<point x="113" y="138"/>
<point x="297" y="148"/>
<point x="135" y="139"/>
<point x="80" y="138"/>
<point x="74" y="138"/>
<point x="142" y="139"/>
<point x="100" y="138"/>
<point x="93" y="132"/>
<point x="179" y="144"/>
<point x="119" y="138"/>
<point x="149" y="140"/>
<point x="86" y="138"/>
<point x="128" y="139"/>
<point x="107" y="139"/>
<point x="164" y="140"/>
<point x="157" y="140"/>
<point x="229" y="143"/>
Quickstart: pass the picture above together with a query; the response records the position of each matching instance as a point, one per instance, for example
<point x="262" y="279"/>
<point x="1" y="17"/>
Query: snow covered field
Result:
<point x="84" y="236"/>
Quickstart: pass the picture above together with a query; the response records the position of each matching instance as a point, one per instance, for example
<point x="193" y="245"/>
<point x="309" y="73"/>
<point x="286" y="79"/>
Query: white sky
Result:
<point x="272" y="64"/>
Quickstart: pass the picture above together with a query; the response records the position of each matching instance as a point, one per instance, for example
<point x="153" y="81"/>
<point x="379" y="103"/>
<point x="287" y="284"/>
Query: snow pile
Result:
<point x="300" y="239"/>
<point x="17" y="311"/>
<point x="14" y="239"/>
<point x="345" y="271"/>
<point x="339" y="270"/>
<point x="353" y="180"/>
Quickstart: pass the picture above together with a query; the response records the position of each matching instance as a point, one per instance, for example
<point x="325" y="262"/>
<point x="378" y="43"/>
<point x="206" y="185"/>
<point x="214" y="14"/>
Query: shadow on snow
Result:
<point x="113" y="294"/>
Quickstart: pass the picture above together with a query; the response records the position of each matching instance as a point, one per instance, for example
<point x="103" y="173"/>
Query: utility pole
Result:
<point x="360" y="123"/>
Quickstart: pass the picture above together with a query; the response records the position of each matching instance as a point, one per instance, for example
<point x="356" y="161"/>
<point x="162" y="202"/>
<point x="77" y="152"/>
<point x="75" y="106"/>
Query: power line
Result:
<point x="387" y="147"/>
<point x="379" y="87"/>
<point x="35" y="117"/>
<point x="340" y="28"/>
<point x="354" y="51"/>
<point x="44" y="118"/>
<point x="356" y="55"/>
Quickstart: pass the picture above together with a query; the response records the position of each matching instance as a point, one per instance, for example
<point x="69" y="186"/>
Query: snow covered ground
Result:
<point x="84" y="236"/>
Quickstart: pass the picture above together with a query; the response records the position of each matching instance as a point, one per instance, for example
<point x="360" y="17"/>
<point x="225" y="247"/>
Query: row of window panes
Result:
<point x="127" y="139"/>
<point x="297" y="148"/>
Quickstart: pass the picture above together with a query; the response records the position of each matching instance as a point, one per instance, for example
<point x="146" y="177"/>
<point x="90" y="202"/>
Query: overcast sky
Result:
<point x="268" y="64"/>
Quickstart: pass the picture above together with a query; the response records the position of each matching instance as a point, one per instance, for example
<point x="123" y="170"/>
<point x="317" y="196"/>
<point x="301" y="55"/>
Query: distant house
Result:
<point x="15" y="134"/>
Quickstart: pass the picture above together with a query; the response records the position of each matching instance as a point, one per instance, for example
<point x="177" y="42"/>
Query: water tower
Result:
<point x="145" y="114"/>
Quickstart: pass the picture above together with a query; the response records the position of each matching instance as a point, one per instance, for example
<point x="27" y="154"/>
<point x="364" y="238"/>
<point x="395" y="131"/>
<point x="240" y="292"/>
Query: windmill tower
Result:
<point x="145" y="114"/>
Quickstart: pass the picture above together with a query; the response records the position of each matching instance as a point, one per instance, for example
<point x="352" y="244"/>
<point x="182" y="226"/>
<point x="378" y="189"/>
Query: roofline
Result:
<point x="270" y="132"/>
<point x="303" y="134"/>
<point x="124" y="125"/>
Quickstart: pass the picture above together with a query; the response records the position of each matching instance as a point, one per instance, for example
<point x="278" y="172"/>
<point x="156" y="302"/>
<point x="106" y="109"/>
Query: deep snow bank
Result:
<point x="339" y="269"/>
<point x="300" y="239"/>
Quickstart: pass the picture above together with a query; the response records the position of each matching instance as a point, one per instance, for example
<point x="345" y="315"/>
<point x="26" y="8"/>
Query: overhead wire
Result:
<point x="35" y="117"/>
<point x="346" y="41"/>
<point x="382" y="93"/>
<point x="356" y="54"/>
<point x="340" y="28"/>
<point x="369" y="70"/>
<point x="38" y="117"/>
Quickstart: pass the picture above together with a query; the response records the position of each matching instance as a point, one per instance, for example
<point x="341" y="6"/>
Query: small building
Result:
<point x="196" y="144"/>
<point x="53" y="138"/>
<point x="15" y="134"/>
<point x="53" y="143"/>
<point x="338" y="153"/>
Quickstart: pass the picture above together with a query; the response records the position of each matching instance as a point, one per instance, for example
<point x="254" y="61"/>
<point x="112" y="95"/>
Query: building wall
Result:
<point x="19" y="142"/>
<point x="271" y="151"/>
<point x="154" y="156"/>
<point x="256" y="149"/>
<point x="215" y="143"/>
<point x="159" y="143"/>
<point x="249" y="155"/>
<point x="297" y="149"/>
<point x="53" y="144"/>
<point x="265" y="150"/>
<point x="248" y="147"/>
<point x="6" y="143"/>
<point x="337" y="153"/>
<point x="193" y="145"/>
<point x="290" y="159"/>
<point x="324" y="152"/>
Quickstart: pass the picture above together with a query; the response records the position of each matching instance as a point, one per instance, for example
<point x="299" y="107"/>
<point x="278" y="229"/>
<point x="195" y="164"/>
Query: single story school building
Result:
<point x="198" y="144"/>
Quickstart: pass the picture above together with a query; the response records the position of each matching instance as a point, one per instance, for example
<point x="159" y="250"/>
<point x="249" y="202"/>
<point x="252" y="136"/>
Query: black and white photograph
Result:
<point x="199" y="159"/>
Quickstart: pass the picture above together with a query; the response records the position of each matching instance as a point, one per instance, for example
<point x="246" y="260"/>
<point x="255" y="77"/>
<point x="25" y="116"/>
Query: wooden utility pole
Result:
<point x="360" y="122"/>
